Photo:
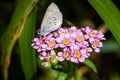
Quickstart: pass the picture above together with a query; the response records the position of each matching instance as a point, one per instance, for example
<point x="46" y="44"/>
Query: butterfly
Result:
<point x="51" y="21"/>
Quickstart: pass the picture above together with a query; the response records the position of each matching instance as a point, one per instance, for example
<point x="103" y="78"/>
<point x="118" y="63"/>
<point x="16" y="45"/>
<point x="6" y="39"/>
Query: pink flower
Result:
<point x="63" y="30"/>
<point x="96" y="44"/>
<point x="77" y="54"/>
<point x="51" y="43"/>
<point x="75" y="45"/>
<point x="44" y="56"/>
<point x="39" y="44"/>
<point x="79" y="37"/>
<point x="48" y="58"/>
<point x="72" y="29"/>
<point x="64" y="55"/>
<point x="87" y="50"/>
<point x="90" y="33"/>
<point x="64" y="40"/>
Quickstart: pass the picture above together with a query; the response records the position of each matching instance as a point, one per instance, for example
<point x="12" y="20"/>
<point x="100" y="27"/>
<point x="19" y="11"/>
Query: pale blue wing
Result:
<point x="52" y="19"/>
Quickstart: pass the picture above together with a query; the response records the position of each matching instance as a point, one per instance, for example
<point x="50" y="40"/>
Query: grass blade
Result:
<point x="110" y="14"/>
<point x="23" y="9"/>
<point x="27" y="54"/>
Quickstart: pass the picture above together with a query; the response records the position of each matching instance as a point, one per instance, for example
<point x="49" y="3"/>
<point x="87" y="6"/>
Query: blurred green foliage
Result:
<point x="27" y="54"/>
<point x="24" y="63"/>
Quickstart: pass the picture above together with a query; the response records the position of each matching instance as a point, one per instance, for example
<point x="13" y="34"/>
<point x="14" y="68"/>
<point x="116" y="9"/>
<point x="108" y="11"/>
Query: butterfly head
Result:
<point x="38" y="32"/>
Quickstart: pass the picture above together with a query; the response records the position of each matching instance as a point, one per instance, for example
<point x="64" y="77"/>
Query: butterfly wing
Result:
<point x="52" y="20"/>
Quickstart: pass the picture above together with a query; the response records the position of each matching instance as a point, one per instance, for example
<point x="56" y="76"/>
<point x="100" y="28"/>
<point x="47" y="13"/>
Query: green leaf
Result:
<point x="9" y="38"/>
<point x="61" y="76"/>
<point x="110" y="14"/>
<point x="78" y="75"/>
<point x="27" y="54"/>
<point x="90" y="64"/>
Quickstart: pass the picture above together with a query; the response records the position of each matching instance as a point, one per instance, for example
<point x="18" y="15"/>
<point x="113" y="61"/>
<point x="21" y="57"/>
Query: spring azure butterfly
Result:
<point x="51" y="21"/>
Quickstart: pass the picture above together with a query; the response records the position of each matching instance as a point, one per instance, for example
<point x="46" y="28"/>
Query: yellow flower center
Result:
<point x="66" y="41"/>
<point x="95" y="43"/>
<point x="77" y="54"/>
<point x="92" y="34"/>
<point x="39" y="46"/>
<point x="80" y="39"/>
<point x="65" y="54"/>
<point x="51" y="43"/>
<point x="55" y="34"/>
<point x="43" y="37"/>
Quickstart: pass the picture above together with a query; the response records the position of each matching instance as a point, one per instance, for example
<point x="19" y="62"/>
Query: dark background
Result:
<point x="80" y="13"/>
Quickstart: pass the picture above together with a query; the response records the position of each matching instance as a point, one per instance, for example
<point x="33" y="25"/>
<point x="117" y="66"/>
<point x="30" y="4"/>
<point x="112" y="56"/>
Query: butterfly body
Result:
<point x="51" y="21"/>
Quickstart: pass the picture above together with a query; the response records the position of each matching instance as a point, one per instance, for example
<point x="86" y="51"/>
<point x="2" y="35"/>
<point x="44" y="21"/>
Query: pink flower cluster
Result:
<point x="69" y="44"/>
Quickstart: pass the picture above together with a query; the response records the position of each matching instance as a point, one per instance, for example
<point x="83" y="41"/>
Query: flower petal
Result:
<point x="61" y="58"/>
<point x="97" y="50"/>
